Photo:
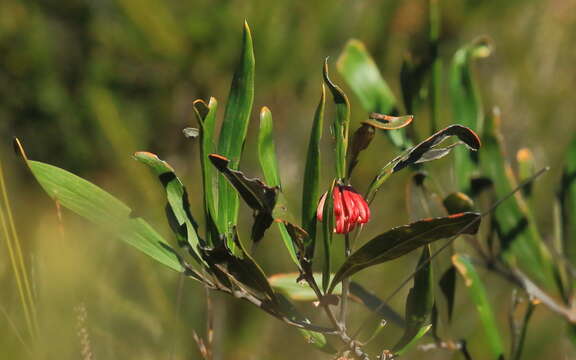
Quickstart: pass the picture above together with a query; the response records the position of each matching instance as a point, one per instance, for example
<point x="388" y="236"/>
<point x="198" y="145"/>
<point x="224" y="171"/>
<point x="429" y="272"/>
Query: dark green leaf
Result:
<point x="480" y="299"/>
<point x="260" y="197"/>
<point x="362" y="75"/>
<point x="310" y="187"/>
<point x="178" y="207"/>
<point x="206" y="116"/>
<point x="419" y="301"/>
<point x="341" y="123"/>
<point x="426" y="151"/>
<point x="467" y="106"/>
<point x="234" y="128"/>
<point x="568" y="199"/>
<point x="458" y="202"/>
<point x="101" y="208"/>
<point x="403" y="239"/>
<point x="327" y="232"/>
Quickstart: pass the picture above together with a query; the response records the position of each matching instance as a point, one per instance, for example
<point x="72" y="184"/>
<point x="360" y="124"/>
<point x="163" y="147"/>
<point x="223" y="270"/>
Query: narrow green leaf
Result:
<point x="206" y="117"/>
<point x="480" y="299"/>
<point x="419" y="301"/>
<point x="234" y="129"/>
<point x="421" y="332"/>
<point x="101" y="208"/>
<point x="362" y="75"/>
<point x="404" y="239"/>
<point x="267" y="149"/>
<point x="178" y="208"/>
<point x="259" y="196"/>
<point x="310" y="186"/>
<point x="467" y="106"/>
<point x="520" y="241"/>
<point x="340" y="125"/>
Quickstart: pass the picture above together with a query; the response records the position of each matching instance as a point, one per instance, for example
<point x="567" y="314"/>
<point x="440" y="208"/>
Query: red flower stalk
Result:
<point x="350" y="209"/>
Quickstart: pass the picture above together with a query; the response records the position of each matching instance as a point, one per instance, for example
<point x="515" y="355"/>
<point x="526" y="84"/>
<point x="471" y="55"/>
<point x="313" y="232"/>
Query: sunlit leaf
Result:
<point x="480" y="299"/>
<point x="101" y="208"/>
<point x="289" y="285"/>
<point x="458" y="202"/>
<point x="234" y="128"/>
<point x="467" y="108"/>
<point x="260" y="197"/>
<point x="178" y="207"/>
<point x="362" y="75"/>
<point x="267" y="149"/>
<point x="419" y="301"/>
<point x="404" y="239"/>
<point x="388" y="122"/>
<point x="341" y="123"/>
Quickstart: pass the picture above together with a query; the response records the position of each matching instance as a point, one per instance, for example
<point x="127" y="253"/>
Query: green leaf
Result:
<point x="427" y="150"/>
<point x="362" y="75"/>
<point x="341" y="123"/>
<point x="103" y="209"/>
<point x="520" y="241"/>
<point x="403" y="239"/>
<point x="421" y="332"/>
<point x="480" y="299"/>
<point x="467" y="106"/>
<point x="458" y="202"/>
<point x="288" y="284"/>
<point x="234" y="129"/>
<point x="310" y="186"/>
<point x="419" y="301"/>
<point x="267" y="149"/>
<point x="206" y="116"/>
<point x="259" y="196"/>
<point x="178" y="207"/>
<point x="327" y="233"/>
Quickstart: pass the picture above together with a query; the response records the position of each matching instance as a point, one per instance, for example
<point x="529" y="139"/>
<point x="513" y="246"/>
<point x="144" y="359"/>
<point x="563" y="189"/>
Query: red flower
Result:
<point x="350" y="209"/>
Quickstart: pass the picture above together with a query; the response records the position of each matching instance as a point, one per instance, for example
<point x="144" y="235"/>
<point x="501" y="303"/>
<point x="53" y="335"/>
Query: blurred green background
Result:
<point x="84" y="84"/>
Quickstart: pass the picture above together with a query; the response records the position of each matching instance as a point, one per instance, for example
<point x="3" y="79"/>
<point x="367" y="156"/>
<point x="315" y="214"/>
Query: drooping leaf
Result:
<point x="234" y="128"/>
<point x="480" y="299"/>
<point x="361" y="139"/>
<point x="403" y="239"/>
<point x="341" y="123"/>
<point x="178" y="207"/>
<point x="520" y="241"/>
<point x="467" y="108"/>
<point x="206" y="117"/>
<point x="240" y="268"/>
<point x="458" y="202"/>
<point x="362" y="75"/>
<point x="419" y="301"/>
<point x="103" y="209"/>
<point x="427" y="151"/>
<point x="260" y="197"/>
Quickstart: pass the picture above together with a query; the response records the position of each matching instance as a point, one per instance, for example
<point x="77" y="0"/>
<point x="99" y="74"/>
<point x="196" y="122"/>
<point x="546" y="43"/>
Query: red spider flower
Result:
<point x="350" y="209"/>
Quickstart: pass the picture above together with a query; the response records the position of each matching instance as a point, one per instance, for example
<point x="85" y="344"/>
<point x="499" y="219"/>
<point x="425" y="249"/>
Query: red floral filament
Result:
<point x="350" y="209"/>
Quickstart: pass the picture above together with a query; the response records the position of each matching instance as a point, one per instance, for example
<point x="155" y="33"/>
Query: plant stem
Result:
<point x="345" y="284"/>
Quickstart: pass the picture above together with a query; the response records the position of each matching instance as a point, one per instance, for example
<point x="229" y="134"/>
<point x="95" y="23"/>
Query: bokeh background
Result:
<point x="84" y="84"/>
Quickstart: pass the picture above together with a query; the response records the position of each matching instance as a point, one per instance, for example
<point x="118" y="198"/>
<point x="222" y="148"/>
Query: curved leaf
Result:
<point x="388" y="122"/>
<point x="178" y="207"/>
<point x="103" y="209"/>
<point x="403" y="239"/>
<point x="267" y="149"/>
<point x="341" y="123"/>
